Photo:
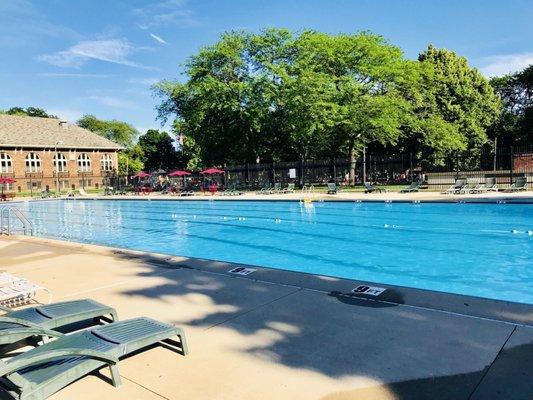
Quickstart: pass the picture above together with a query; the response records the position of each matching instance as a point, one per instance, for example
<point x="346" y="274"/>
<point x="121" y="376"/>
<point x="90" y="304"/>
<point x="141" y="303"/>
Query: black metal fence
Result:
<point x="505" y="165"/>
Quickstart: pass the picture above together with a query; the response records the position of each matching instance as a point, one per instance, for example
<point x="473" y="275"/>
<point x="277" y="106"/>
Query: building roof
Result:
<point x="34" y="132"/>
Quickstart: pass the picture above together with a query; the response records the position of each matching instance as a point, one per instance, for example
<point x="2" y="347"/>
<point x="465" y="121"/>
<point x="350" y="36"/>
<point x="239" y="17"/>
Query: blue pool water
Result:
<point x="477" y="249"/>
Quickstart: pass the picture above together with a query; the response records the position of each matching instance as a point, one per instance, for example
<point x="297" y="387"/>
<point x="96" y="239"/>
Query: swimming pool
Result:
<point x="476" y="249"/>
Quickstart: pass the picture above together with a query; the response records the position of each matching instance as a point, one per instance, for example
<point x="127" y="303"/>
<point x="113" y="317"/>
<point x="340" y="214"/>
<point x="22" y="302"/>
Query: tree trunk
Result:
<point x="353" y="160"/>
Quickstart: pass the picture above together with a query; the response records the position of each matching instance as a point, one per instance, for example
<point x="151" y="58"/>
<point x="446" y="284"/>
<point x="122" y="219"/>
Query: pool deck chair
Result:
<point x="489" y="185"/>
<point x="42" y="321"/>
<point x="266" y="189"/>
<point x="413" y="187"/>
<point x="332" y="188"/>
<point x="471" y="186"/>
<point x="519" y="184"/>
<point x="82" y="192"/>
<point x="369" y="188"/>
<point x="456" y="187"/>
<point x="20" y="292"/>
<point x="42" y="371"/>
<point x="289" y="188"/>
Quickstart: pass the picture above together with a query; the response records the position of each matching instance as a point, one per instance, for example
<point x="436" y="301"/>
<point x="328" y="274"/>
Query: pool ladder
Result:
<point x="7" y="226"/>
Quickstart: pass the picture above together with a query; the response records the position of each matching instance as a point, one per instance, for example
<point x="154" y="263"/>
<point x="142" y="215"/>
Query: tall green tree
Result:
<point x="276" y="95"/>
<point x="117" y="131"/>
<point x="515" y="125"/>
<point x="458" y="106"/>
<point x="158" y="151"/>
<point x="130" y="160"/>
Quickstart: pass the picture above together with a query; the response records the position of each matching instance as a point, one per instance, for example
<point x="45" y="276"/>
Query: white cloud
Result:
<point x="111" y="101"/>
<point x="158" y="39"/>
<point x="110" y="50"/>
<point x="168" y="12"/>
<point x="506" y="64"/>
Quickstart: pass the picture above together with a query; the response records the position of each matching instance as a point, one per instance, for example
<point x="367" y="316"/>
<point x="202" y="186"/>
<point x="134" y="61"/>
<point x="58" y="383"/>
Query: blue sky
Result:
<point x="74" y="57"/>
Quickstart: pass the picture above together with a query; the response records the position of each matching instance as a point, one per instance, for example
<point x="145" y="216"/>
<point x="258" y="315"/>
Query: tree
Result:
<point x="458" y="105"/>
<point x="158" y="150"/>
<point x="515" y="125"/>
<point x="116" y="131"/>
<point x="276" y="95"/>
<point x="349" y="92"/>
<point x="28" y="112"/>
<point x="130" y="160"/>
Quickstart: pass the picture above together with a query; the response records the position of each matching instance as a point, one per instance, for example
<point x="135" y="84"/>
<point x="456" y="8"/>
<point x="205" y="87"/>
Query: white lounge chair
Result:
<point x="82" y="192"/>
<point x="15" y="291"/>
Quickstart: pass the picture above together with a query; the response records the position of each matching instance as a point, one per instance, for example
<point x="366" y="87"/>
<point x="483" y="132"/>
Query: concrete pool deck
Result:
<point x="523" y="196"/>
<point x="283" y="335"/>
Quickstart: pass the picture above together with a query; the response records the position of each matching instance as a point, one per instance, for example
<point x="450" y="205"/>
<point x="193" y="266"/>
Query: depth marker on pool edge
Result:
<point x="242" y="271"/>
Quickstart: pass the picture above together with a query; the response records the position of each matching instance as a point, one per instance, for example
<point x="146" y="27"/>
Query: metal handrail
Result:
<point x="5" y="220"/>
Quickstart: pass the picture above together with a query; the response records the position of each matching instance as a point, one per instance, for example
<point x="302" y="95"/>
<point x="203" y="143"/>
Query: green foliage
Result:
<point x="515" y="125"/>
<point x="130" y="160"/>
<point x="116" y="131"/>
<point x="28" y="112"/>
<point x="458" y="105"/>
<point x="158" y="151"/>
<point x="275" y="95"/>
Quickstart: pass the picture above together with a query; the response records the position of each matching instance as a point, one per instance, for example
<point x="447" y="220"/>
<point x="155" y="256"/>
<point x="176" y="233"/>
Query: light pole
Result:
<point x="60" y="142"/>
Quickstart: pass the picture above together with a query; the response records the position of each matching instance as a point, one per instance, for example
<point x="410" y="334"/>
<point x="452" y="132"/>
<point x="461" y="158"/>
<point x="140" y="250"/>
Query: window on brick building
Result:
<point x="6" y="165"/>
<point x="33" y="163"/>
<point x="60" y="163"/>
<point x="84" y="163"/>
<point x="106" y="163"/>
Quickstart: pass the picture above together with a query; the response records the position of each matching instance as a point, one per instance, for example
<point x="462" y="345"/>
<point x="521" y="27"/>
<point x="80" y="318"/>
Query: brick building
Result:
<point x="42" y="153"/>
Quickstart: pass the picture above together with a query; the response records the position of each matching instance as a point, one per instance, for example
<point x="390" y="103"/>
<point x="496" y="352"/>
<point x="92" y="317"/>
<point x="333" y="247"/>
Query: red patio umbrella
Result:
<point x="141" y="174"/>
<point x="179" y="173"/>
<point x="212" y="171"/>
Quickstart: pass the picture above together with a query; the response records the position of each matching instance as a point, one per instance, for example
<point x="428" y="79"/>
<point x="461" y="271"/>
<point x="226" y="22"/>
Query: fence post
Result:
<point x="273" y="172"/>
<point x="301" y="171"/>
<point x="334" y="169"/>
<point x="364" y="165"/>
<point x="411" y="178"/>
<point x="512" y="166"/>
<point x="247" y="175"/>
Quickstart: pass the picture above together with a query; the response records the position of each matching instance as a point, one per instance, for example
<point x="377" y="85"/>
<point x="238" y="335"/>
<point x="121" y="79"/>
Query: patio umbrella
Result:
<point x="4" y="181"/>
<point x="141" y="174"/>
<point x="212" y="171"/>
<point x="179" y="173"/>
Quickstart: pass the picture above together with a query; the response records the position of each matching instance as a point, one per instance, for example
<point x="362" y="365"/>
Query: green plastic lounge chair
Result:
<point x="519" y="184"/>
<point x="277" y="188"/>
<point x="266" y="189"/>
<point x="289" y="188"/>
<point x="42" y="371"/>
<point x="42" y="321"/>
<point x="470" y="186"/>
<point x="332" y="188"/>
<point x="456" y="187"/>
<point x="413" y="187"/>
<point x="488" y="185"/>
<point x="369" y="188"/>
